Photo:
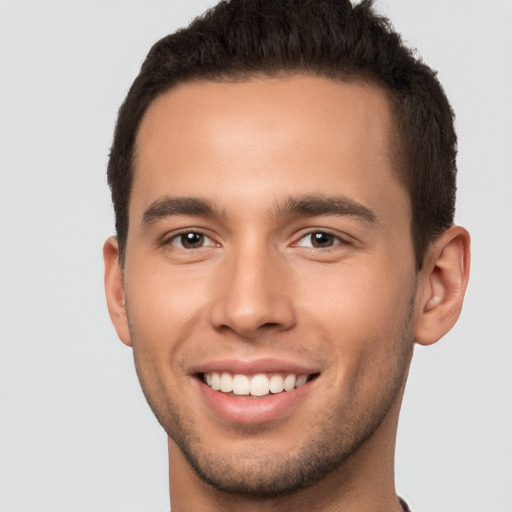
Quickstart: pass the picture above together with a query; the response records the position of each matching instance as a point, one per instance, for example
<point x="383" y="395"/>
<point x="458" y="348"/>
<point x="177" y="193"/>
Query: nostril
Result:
<point x="270" y="325"/>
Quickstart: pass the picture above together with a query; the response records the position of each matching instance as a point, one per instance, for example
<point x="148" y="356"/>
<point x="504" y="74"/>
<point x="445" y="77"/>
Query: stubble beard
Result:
<point x="330" y="443"/>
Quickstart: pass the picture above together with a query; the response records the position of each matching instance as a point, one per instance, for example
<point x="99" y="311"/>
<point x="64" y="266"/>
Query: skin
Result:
<point x="256" y="287"/>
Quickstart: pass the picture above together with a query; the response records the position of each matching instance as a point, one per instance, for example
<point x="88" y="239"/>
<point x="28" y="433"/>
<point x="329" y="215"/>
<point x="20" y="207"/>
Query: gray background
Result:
<point x="75" y="431"/>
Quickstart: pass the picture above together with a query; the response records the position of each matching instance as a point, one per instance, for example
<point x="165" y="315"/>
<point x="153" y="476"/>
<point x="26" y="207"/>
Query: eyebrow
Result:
<point x="169" y="206"/>
<point x="304" y="206"/>
<point x="314" y="205"/>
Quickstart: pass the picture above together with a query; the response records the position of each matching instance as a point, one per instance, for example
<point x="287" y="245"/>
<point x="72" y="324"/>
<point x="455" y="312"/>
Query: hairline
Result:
<point x="397" y="148"/>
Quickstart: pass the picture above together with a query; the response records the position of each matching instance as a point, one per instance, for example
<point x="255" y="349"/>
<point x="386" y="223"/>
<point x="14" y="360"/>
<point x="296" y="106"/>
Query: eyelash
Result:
<point x="336" y="238"/>
<point x="178" y="237"/>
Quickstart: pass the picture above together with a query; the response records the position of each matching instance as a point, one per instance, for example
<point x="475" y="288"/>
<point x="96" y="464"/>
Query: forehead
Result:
<point x="306" y="134"/>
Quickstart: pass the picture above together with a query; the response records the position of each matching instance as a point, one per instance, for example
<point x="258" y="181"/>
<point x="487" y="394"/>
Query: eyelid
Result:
<point x="342" y="238"/>
<point x="168" y="238"/>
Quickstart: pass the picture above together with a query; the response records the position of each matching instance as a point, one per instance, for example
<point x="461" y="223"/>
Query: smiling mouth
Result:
<point x="257" y="385"/>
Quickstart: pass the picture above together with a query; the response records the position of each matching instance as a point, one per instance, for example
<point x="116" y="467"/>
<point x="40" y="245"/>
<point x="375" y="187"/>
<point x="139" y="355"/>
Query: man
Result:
<point x="283" y="177"/>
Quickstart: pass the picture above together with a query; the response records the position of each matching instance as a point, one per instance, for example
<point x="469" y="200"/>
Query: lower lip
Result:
<point x="248" y="410"/>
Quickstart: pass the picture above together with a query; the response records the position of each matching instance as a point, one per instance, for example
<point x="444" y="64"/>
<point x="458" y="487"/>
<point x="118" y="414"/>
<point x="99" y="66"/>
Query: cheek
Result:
<point x="165" y="306"/>
<point x="370" y="341"/>
<point x="361" y="310"/>
<point x="165" y="311"/>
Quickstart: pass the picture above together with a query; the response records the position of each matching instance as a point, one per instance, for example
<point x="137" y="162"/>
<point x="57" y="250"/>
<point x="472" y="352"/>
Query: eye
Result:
<point x="191" y="240"/>
<point x="319" y="240"/>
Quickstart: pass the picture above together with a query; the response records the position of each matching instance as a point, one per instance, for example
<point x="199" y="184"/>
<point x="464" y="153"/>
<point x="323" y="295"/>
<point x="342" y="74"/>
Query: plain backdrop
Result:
<point x="75" y="431"/>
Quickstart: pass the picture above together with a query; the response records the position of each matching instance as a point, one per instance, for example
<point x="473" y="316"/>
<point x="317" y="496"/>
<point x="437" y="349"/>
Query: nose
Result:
<point x="254" y="294"/>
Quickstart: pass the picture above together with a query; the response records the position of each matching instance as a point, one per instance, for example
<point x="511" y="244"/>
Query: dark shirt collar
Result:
<point x="404" y="505"/>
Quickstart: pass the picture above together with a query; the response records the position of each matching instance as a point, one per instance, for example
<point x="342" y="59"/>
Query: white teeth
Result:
<point x="226" y="383"/>
<point x="301" y="381"/>
<point x="257" y="385"/>
<point x="215" y="381"/>
<point x="289" y="382"/>
<point x="241" y="385"/>
<point x="276" y="384"/>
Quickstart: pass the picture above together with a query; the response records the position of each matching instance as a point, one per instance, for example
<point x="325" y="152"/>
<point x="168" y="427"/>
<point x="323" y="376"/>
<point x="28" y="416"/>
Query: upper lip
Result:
<point x="262" y="365"/>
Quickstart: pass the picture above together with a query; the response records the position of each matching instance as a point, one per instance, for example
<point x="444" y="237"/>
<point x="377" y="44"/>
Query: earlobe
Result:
<point x="442" y="285"/>
<point x="114" y="290"/>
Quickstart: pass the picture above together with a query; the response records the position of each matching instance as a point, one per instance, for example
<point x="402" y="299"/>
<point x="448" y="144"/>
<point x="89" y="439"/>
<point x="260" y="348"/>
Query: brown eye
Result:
<point x="191" y="240"/>
<point x="322" y="239"/>
<point x="319" y="240"/>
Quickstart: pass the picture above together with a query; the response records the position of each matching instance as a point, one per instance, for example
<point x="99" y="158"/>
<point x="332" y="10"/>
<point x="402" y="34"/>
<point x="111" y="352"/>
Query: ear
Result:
<point x="442" y="285"/>
<point x="114" y="290"/>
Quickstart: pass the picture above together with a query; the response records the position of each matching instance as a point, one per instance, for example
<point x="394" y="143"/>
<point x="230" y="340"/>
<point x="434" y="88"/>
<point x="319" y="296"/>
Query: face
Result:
<point x="269" y="277"/>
